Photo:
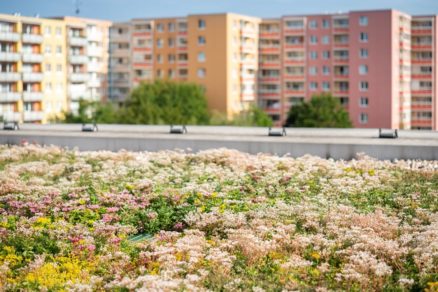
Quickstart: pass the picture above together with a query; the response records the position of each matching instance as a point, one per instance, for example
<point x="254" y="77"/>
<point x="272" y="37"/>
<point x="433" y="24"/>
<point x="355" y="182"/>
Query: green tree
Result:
<point x="253" y="117"/>
<point x="323" y="111"/>
<point x="90" y="111"/>
<point x="165" y="102"/>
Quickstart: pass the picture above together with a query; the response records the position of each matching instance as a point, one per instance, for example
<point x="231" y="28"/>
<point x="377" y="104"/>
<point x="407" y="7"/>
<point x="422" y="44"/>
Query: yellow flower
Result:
<point x="315" y="255"/>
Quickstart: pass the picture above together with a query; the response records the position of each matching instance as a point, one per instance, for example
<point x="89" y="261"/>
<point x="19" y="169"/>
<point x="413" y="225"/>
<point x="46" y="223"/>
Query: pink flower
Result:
<point x="152" y="215"/>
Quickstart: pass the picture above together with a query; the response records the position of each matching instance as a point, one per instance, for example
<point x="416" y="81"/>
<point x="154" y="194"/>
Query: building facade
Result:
<point x="380" y="64"/>
<point x="217" y="51"/>
<point x="33" y="68"/>
<point x="47" y="64"/>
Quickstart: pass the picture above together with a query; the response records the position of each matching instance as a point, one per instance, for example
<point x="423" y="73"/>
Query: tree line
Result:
<point x="166" y="102"/>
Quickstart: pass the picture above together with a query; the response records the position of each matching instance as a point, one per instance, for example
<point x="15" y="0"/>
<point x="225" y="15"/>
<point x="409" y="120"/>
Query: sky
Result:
<point x="120" y="10"/>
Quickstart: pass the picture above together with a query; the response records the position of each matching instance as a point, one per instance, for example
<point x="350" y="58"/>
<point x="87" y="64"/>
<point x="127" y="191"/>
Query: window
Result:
<point x="59" y="68"/>
<point x="363" y="21"/>
<point x="159" y="73"/>
<point x="325" y="39"/>
<point x="201" y="57"/>
<point x="363" y="86"/>
<point x="171" y="73"/>
<point x="313" y="24"/>
<point x="363" y="37"/>
<point x="326" y="70"/>
<point x="363" y="69"/>
<point x="201" y="40"/>
<point x="326" y="55"/>
<point x="201" y="24"/>
<point x="48" y="67"/>
<point x="159" y="43"/>
<point x="160" y="27"/>
<point x="171" y="42"/>
<point x="313" y="39"/>
<point x="58" y="31"/>
<point x="326" y="86"/>
<point x="313" y="70"/>
<point x="159" y="59"/>
<point x="201" y="73"/>
<point x="325" y="23"/>
<point x="363" y="118"/>
<point x="313" y="86"/>
<point x="313" y="55"/>
<point x="295" y="100"/>
<point x="171" y="27"/>
<point x="363" y="102"/>
<point x="47" y="49"/>
<point x="58" y="49"/>
<point x="48" y="30"/>
<point x="171" y="58"/>
<point x="363" y="53"/>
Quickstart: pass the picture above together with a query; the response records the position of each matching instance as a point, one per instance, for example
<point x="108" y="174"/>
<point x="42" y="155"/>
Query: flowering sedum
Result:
<point x="215" y="220"/>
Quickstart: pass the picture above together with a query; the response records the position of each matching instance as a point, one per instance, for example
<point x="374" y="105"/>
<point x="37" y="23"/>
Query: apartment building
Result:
<point x="378" y="63"/>
<point x="47" y="64"/>
<point x="424" y="45"/>
<point x="217" y="51"/>
<point x="33" y="68"/>
<point x="87" y="59"/>
<point x="363" y="58"/>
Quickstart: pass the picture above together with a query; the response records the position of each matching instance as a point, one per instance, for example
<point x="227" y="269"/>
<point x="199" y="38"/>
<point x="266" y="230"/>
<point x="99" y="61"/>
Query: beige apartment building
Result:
<point x="47" y="64"/>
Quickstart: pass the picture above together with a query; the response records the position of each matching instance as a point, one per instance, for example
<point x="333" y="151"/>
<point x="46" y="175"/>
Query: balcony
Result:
<point x="32" y="38"/>
<point x="10" y="96"/>
<point x="9" y="76"/>
<point x="77" y="41"/>
<point x="95" y="36"/>
<point x="78" y="77"/>
<point x="9" y="57"/>
<point x="78" y="59"/>
<point x="32" y="57"/>
<point x="77" y="92"/>
<point x="33" y="116"/>
<point x="94" y="51"/>
<point x="96" y="67"/>
<point x="11" y="116"/>
<point x="32" y="96"/>
<point x="94" y="83"/>
<point x="9" y="36"/>
<point x="32" y="77"/>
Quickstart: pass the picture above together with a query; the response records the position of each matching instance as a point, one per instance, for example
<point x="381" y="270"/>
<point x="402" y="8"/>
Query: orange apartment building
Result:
<point x="378" y="63"/>
<point x="217" y="51"/>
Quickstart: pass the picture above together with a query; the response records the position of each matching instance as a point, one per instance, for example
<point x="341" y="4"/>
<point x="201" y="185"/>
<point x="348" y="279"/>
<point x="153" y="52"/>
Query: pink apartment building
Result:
<point x="379" y="63"/>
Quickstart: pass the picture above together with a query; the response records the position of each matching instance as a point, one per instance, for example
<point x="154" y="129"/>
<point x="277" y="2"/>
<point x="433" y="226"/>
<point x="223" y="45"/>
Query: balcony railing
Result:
<point x="11" y="116"/>
<point x="95" y="36"/>
<point x="10" y="96"/>
<point x="77" y="41"/>
<point x="9" y="57"/>
<point x="33" y="116"/>
<point x="94" y="67"/>
<point x="94" y="83"/>
<point x="33" y="96"/>
<point x="32" y="38"/>
<point x="9" y="36"/>
<point x="78" y="59"/>
<point x="9" y="76"/>
<point x="94" y="51"/>
<point x="32" y="57"/>
<point x="32" y="77"/>
<point x="78" y="77"/>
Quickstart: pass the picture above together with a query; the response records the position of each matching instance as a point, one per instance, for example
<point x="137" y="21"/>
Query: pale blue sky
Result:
<point x="118" y="10"/>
